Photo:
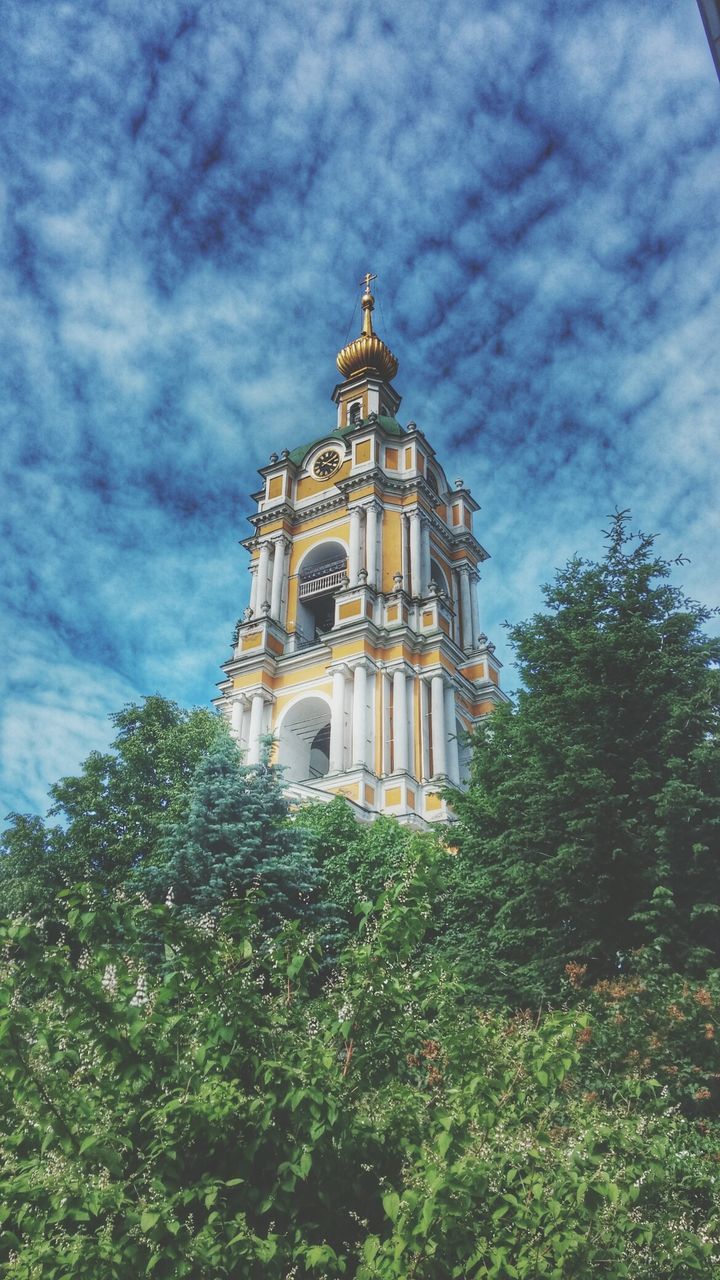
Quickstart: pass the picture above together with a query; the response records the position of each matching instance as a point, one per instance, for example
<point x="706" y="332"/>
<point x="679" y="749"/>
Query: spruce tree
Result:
<point x="592" y="823"/>
<point x="235" y="840"/>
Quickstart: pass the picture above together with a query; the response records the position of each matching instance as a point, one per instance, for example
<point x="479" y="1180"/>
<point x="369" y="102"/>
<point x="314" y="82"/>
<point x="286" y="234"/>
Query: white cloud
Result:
<point x="55" y="711"/>
<point x="191" y="201"/>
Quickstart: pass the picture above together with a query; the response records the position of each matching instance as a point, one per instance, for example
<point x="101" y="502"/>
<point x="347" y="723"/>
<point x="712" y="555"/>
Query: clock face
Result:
<point x="327" y="463"/>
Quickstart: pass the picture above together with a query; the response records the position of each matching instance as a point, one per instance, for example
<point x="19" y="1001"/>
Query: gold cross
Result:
<point x="368" y="280"/>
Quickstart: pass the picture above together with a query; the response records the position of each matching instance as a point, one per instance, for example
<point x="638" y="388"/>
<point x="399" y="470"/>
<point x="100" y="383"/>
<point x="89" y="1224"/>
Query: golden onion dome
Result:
<point x="368" y="353"/>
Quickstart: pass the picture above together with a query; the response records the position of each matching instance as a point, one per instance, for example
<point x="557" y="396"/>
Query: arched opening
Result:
<point x="439" y="577"/>
<point x="322" y="573"/>
<point x="464" y="752"/>
<point x="304" y="741"/>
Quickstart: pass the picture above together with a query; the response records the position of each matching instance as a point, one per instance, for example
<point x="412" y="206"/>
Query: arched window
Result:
<point x="322" y="573"/>
<point x="439" y="577"/>
<point x="355" y="414"/>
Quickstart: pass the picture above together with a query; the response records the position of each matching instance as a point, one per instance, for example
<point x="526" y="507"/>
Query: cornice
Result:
<point x="465" y="538"/>
<point x="330" y="503"/>
<point x="263" y="661"/>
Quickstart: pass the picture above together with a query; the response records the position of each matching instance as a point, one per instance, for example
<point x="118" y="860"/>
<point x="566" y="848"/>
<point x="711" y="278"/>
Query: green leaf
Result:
<point x="370" y="1248"/>
<point x="391" y="1205"/>
<point x="444" y="1141"/>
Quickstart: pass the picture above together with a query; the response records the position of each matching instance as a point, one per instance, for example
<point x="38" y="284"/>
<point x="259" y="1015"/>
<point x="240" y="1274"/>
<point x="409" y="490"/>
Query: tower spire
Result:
<point x="368" y="304"/>
<point x="367" y="353"/>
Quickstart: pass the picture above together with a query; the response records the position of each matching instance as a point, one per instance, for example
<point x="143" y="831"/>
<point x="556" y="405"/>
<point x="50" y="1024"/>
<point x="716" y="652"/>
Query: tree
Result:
<point x="235" y="839"/>
<point x="358" y="859"/>
<point x="591" y="826"/>
<point x="114" y="811"/>
<point x="37" y="862"/>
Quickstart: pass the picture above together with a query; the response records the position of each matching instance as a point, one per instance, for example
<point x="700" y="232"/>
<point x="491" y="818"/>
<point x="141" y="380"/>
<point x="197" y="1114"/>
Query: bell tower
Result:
<point x="361" y="649"/>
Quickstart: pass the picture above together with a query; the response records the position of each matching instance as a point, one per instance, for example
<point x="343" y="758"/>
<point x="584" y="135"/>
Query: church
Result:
<point x="361" y="649"/>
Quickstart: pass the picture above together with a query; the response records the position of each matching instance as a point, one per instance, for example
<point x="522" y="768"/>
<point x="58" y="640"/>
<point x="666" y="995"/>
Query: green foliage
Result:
<point x="359" y="859"/>
<point x="656" y="1025"/>
<point x="219" y="1116"/>
<point x="35" y="864"/>
<point x="113" y="812"/>
<point x="592" y="823"/>
<point x="234" y="840"/>
<point x="193" y="1091"/>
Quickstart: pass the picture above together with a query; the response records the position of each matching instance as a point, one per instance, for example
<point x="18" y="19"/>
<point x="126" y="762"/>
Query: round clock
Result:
<point x="327" y="463"/>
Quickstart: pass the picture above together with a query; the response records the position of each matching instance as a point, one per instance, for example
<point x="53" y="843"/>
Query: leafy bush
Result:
<point x="218" y="1116"/>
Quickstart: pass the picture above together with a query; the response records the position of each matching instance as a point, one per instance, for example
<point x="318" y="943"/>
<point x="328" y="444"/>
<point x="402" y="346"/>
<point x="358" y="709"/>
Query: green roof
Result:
<point x="390" y="426"/>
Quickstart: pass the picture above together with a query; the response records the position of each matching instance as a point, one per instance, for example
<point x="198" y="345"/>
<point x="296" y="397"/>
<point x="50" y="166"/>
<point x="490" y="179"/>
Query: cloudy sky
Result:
<point x="190" y="192"/>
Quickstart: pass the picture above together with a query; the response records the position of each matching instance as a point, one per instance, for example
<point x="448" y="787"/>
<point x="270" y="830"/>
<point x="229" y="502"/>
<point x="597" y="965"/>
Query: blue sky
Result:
<point x="190" y="193"/>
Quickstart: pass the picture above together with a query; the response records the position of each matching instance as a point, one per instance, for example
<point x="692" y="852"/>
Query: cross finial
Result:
<point x="368" y="281"/>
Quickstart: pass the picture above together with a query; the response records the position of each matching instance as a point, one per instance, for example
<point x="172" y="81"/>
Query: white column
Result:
<point x="278" y="579"/>
<point x="253" y="587"/>
<point x="245" y="724"/>
<point x="256" y="718"/>
<point x="453" y="757"/>
<point x="465" y="608"/>
<point x="404" y="567"/>
<point x="425" y="556"/>
<point x="474" y="614"/>
<point x="415" y="554"/>
<point x="276" y="589"/>
<point x="457" y="635"/>
<point x="371" y="535"/>
<point x="266" y="717"/>
<point x="437" y="695"/>
<point x="359" y="725"/>
<point x="337" y="722"/>
<point x="286" y="586"/>
<point x="424" y="692"/>
<point x="386" y="740"/>
<point x="354" y="566"/>
<point x="262" y="576"/>
<point x="410" y="725"/>
<point x="236" y="714"/>
<point x="400" y="719"/>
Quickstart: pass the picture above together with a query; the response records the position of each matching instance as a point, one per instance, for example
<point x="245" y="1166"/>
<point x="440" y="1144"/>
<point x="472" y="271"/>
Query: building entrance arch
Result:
<point x="304" y="740"/>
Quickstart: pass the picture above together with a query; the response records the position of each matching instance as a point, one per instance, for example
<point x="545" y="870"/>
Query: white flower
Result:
<point x="109" y="979"/>
<point x="141" y="995"/>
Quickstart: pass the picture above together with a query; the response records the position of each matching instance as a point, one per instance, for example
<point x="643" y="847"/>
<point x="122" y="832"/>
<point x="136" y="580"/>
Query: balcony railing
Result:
<point x="327" y="578"/>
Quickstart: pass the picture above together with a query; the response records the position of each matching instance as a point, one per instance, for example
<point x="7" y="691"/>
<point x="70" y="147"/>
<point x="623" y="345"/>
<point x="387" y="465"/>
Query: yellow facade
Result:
<point x="360" y="650"/>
